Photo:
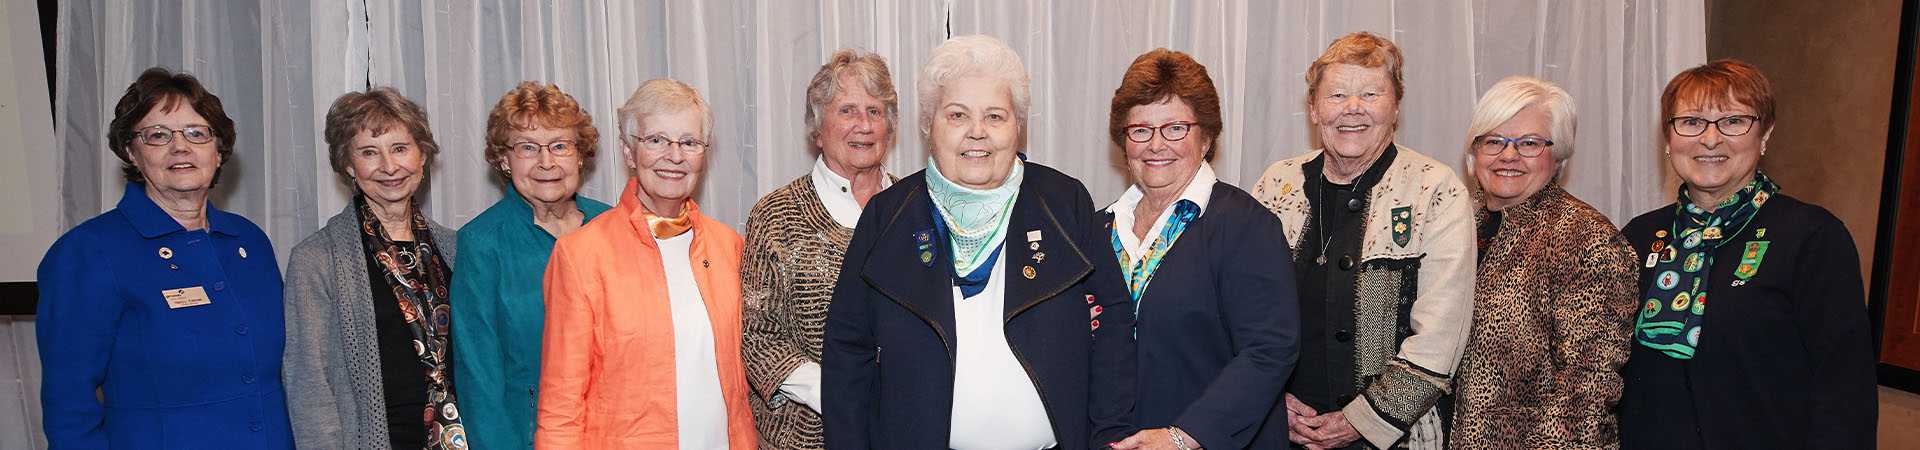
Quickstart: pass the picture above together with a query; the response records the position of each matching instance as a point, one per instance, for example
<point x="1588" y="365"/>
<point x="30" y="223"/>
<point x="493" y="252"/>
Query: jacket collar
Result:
<point x="152" y="222"/>
<point x="894" y="268"/>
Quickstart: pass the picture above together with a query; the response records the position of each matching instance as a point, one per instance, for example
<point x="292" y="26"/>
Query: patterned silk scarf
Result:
<point x="419" y="278"/>
<point x="1184" y="211"/>
<point x="664" y="228"/>
<point x="974" y="221"/>
<point x="1677" y="299"/>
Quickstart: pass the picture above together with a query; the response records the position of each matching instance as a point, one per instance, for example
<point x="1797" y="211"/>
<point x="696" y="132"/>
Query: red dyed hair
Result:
<point x="1720" y="84"/>
<point x="1160" y="75"/>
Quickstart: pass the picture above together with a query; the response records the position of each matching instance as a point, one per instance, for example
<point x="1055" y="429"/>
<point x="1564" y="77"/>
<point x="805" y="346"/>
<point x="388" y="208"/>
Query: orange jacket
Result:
<point x="606" y="366"/>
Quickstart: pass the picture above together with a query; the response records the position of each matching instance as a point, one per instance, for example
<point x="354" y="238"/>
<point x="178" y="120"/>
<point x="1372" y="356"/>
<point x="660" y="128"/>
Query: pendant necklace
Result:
<point x="1321" y="220"/>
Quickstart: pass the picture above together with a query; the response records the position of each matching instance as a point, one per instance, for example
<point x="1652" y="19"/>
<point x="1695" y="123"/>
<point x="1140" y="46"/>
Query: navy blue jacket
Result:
<point x="205" y="376"/>
<point x="1219" y="328"/>
<point x="888" y="361"/>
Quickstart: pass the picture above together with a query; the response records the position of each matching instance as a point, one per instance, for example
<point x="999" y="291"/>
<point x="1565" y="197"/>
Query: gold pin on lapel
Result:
<point x="166" y="253"/>
<point x="243" y="253"/>
<point x="1028" y="271"/>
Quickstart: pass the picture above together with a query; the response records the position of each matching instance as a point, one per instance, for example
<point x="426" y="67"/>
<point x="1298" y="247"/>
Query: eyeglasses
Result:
<point x="1172" y="131"/>
<point x="529" y="150"/>
<point x="1528" y="147"/>
<point x="159" y="135"/>
<point x="660" y="142"/>
<point x="1690" y="126"/>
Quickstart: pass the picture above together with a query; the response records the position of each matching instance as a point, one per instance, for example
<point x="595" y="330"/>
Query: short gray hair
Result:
<point x="974" y="54"/>
<point x="664" y="95"/>
<point x="1507" y="97"/>
<point x="870" y="69"/>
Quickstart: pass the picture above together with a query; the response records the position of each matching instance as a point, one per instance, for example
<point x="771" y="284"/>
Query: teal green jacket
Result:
<point x="496" y="327"/>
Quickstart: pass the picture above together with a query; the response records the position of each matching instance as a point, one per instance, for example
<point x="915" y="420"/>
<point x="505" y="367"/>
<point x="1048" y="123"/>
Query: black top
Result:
<point x="403" y="377"/>
<point x="1325" y="378"/>
<point x="1489" y="227"/>
<point x="1218" y="329"/>
<point x="1784" y="359"/>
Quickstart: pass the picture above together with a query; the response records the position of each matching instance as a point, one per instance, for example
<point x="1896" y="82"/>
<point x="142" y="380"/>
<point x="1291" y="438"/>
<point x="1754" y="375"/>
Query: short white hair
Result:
<point x="1507" y="97"/>
<point x="664" y="95"/>
<point x="966" y="56"/>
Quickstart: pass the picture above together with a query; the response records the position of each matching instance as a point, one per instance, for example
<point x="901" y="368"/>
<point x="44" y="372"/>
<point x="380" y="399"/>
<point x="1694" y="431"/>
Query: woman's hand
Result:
<point x="1330" y="430"/>
<point x="1297" y="430"/>
<point x="1155" y="439"/>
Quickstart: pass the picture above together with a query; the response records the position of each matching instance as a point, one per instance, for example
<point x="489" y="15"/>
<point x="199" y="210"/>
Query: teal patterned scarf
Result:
<point x="1676" y="300"/>
<point x="976" y="220"/>
<point x="1138" y="275"/>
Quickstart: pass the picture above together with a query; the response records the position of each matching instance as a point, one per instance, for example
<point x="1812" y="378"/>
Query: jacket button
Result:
<point x="1346" y="262"/>
<point x="219" y="285"/>
<point x="247" y="379"/>
<point x="240" y="330"/>
<point x="1353" y="205"/>
<point x="1343" y="336"/>
<point x="253" y="426"/>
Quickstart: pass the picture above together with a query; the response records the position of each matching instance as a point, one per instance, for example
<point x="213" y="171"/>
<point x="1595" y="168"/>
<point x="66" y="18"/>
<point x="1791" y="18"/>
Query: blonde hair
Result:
<point x="660" y="96"/>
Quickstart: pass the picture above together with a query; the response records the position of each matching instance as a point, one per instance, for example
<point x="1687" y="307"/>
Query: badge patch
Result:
<point x="1700" y="304"/>
<point x="1694" y="263"/>
<point x="1692" y="240"/>
<point x="924" y="241"/>
<point x="1750" y="260"/>
<point x="1659" y="245"/>
<point x="1402" y="225"/>
<point x="1668" y="280"/>
<point x="1680" y="302"/>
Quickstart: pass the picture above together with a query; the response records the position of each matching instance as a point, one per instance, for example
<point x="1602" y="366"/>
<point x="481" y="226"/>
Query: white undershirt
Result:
<point x="995" y="402"/>
<point x="836" y="193"/>
<point x="696" y="371"/>
<point x="1199" y="190"/>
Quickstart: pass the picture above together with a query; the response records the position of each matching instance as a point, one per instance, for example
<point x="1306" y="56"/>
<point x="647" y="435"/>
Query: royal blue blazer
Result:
<point x="888" y="361"/>
<point x="205" y="376"/>
<point x="1219" y="328"/>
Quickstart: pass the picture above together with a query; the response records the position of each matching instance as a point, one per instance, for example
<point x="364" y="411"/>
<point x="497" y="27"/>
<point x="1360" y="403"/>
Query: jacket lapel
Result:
<point x="894" y="266"/>
<point x="1034" y="230"/>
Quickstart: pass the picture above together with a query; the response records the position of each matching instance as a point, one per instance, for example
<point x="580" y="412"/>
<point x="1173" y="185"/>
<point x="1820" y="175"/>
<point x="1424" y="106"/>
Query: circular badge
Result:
<point x="1700" y="304"/>
<point x="1652" y="309"/>
<point x="1668" y="280"/>
<point x="1692" y="240"/>
<point x="455" y="436"/>
<point x="166" y="253"/>
<point x="1694" y="262"/>
<point x="1680" y="302"/>
<point x="1693" y="337"/>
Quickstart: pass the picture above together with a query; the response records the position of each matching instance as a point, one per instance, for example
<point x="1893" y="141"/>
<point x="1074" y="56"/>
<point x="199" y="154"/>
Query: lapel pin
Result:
<point x="924" y="241"/>
<point x="1028" y="271"/>
<point x="1035" y="246"/>
<point x="166" y="253"/>
<point x="1033" y="236"/>
<point x="704" y="263"/>
<point x="1039" y="256"/>
<point x="243" y="253"/>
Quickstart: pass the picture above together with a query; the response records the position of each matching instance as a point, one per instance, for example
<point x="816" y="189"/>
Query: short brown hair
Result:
<point x="1720" y="84"/>
<point x="872" y="72"/>
<point x="375" y="111"/>
<point x="1361" y="49"/>
<point x="1162" y="75"/>
<point x="160" y="87"/>
<point x="531" y="106"/>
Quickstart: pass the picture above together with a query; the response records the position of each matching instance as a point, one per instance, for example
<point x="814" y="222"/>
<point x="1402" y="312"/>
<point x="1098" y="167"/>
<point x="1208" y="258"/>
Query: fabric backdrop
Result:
<point x="278" y="64"/>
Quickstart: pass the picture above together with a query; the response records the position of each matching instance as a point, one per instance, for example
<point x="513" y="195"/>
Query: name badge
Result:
<point x="186" y="297"/>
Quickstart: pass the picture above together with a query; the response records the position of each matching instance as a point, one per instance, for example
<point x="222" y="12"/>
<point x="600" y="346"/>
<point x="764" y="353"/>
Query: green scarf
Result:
<point x="1676" y="300"/>
<point x="976" y="219"/>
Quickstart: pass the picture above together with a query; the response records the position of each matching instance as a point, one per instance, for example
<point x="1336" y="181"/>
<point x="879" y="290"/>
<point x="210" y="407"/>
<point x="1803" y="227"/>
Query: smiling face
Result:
<point x="544" y="179"/>
<point x="387" y="168"/>
<point x="1715" y="165"/>
<point x="853" y="128"/>
<point x="1509" y="178"/>
<point x="1355" y="110"/>
<point x="975" y="138"/>
<point x="668" y="176"/>
<point x="178" y="166"/>
<point x="1162" y="165"/>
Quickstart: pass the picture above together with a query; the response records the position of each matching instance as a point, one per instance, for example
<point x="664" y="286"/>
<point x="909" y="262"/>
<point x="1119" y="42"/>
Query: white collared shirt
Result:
<point x="995" y="403"/>
<point x="1198" y="191"/>
<point x="696" y="368"/>
<point x="836" y="192"/>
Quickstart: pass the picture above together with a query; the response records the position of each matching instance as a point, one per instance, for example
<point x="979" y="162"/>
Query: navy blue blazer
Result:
<point x="887" y="364"/>
<point x="1219" y="328"/>
<point x="205" y="376"/>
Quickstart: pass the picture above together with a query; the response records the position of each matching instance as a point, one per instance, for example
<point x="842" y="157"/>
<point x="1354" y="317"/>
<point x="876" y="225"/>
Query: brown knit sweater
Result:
<point x="1552" y="324"/>
<point x="787" y="274"/>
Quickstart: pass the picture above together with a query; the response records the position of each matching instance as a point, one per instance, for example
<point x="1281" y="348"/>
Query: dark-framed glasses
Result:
<point x="660" y="142"/>
<point x="1691" y="126"/>
<point x="529" y="150"/>
<point x="1528" y="147"/>
<point x="159" y="135"/>
<point x="1171" y="131"/>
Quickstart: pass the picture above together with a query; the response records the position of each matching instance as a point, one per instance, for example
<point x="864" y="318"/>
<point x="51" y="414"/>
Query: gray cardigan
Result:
<point x="332" y="364"/>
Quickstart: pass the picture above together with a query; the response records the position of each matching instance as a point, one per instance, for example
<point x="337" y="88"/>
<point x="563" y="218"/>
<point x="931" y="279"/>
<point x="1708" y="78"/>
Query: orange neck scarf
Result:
<point x="665" y="228"/>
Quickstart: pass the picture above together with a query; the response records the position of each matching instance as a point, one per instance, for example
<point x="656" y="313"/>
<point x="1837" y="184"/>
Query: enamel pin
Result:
<point x="924" y="241"/>
<point x="1750" y="260"/>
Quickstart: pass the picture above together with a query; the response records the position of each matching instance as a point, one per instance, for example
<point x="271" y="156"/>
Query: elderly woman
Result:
<point x="1382" y="241"/>
<point x="796" y="236"/>
<point x="1554" y="299"/>
<point x="642" y="343"/>
<point x="1788" y="351"/>
<point x="367" y="308"/>
<point x="540" y="140"/>
<point x="1218" y="322"/>
<point x="957" y="318"/>
<point x="163" y="311"/>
